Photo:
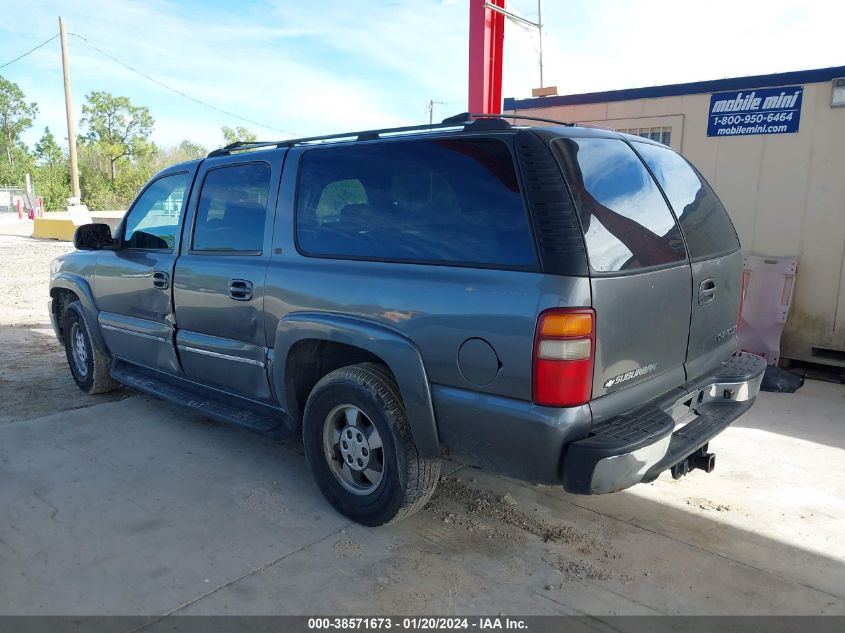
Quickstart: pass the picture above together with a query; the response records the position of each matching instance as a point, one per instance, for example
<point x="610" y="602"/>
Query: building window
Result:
<point x="659" y="134"/>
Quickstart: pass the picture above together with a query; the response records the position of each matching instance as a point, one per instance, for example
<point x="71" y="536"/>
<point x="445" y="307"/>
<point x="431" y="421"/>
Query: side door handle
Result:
<point x="240" y="289"/>
<point x="706" y="292"/>
<point x="161" y="279"/>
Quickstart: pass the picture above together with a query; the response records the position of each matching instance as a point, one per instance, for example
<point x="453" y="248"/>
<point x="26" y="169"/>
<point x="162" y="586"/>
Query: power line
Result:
<point x="152" y="79"/>
<point x="177" y="91"/>
<point x="29" y="52"/>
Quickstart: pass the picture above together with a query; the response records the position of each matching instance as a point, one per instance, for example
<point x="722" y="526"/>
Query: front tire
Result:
<point x="359" y="447"/>
<point x="90" y="366"/>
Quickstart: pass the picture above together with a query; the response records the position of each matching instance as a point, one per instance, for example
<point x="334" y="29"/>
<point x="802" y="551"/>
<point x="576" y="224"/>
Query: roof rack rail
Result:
<point x="241" y="145"/>
<point x="465" y="119"/>
<point x="363" y="135"/>
<point x="527" y="118"/>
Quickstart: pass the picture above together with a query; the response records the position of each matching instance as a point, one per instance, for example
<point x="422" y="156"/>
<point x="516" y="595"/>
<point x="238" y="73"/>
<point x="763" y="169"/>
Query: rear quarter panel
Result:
<point x="437" y="307"/>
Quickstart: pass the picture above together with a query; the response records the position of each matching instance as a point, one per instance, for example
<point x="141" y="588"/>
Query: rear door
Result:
<point x="716" y="259"/>
<point x="219" y="278"/>
<point x="640" y="274"/>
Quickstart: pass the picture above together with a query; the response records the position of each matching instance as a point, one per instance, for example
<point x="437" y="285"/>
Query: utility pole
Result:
<point x="430" y="108"/>
<point x="520" y="20"/>
<point x="540" y="35"/>
<point x="71" y="134"/>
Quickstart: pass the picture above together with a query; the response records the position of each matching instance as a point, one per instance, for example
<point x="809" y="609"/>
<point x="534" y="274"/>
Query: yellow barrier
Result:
<point x="53" y="229"/>
<point x="57" y="225"/>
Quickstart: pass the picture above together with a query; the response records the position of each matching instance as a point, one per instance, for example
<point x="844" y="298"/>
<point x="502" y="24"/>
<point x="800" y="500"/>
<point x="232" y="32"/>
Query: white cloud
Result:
<point x="594" y="46"/>
<point x="295" y="74"/>
<point x="310" y="68"/>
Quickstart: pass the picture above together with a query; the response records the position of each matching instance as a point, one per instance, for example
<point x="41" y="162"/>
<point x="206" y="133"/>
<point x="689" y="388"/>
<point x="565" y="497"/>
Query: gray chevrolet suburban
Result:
<point x="554" y="303"/>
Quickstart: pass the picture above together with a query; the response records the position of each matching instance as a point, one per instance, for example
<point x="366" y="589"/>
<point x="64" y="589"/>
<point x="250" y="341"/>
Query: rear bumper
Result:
<point x="637" y="446"/>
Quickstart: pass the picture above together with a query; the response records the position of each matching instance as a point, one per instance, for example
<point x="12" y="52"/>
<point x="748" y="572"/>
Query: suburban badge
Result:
<point x="628" y="375"/>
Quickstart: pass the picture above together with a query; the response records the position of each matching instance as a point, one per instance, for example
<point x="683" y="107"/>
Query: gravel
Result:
<point x="34" y="378"/>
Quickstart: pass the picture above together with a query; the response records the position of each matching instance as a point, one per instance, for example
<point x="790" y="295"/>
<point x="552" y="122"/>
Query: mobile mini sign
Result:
<point x="763" y="111"/>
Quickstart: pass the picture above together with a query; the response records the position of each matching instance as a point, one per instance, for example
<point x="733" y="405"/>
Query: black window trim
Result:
<point x="699" y="258"/>
<point x="177" y="237"/>
<point x="195" y="214"/>
<point x="508" y="140"/>
<point x="622" y="273"/>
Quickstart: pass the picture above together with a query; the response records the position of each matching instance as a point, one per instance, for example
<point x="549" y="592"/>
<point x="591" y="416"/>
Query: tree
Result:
<point x="116" y="128"/>
<point x="47" y="150"/>
<point x="15" y="116"/>
<point x="237" y="135"/>
<point x="51" y="175"/>
<point x="191" y="150"/>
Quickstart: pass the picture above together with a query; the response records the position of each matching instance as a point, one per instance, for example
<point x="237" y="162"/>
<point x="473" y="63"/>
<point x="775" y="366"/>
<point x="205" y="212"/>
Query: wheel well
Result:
<point x="311" y="359"/>
<point x="61" y="298"/>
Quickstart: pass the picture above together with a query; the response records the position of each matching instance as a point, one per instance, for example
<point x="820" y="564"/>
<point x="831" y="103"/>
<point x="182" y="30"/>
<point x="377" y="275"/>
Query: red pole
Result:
<point x="19" y="204"/>
<point x="486" y="42"/>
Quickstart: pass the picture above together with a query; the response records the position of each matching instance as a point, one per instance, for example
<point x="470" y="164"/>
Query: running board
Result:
<point x="209" y="402"/>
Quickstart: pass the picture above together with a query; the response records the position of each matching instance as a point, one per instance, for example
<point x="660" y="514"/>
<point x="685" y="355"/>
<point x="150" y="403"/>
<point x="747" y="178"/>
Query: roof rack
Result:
<point x="527" y="118"/>
<point x="465" y="119"/>
<point x="362" y="135"/>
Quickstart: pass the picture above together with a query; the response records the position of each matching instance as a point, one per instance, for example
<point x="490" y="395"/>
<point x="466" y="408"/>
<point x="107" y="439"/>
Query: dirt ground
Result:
<point x="31" y="360"/>
<point x="127" y="505"/>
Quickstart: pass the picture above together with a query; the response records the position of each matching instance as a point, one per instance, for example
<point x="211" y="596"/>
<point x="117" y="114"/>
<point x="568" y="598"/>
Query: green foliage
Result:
<point x="188" y="150"/>
<point x="102" y="192"/>
<point x="15" y="163"/>
<point x="116" y="156"/>
<point x="117" y="129"/>
<point x="236" y="135"/>
<point x="47" y="150"/>
<point x="51" y="176"/>
<point x="15" y="117"/>
<point x="53" y="184"/>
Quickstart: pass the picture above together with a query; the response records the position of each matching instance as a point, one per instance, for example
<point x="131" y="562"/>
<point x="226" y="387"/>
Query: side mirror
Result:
<point x="93" y="237"/>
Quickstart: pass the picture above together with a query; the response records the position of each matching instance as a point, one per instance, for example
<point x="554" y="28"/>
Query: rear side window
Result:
<point x="232" y="208"/>
<point x="428" y="201"/>
<point x="705" y="223"/>
<point x="626" y="222"/>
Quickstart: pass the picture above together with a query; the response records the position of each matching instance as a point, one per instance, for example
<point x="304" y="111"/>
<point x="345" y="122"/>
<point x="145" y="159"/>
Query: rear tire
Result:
<point x="360" y="450"/>
<point x="90" y="365"/>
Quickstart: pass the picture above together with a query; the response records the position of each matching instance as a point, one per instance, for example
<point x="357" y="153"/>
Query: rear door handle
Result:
<point x="161" y="279"/>
<point x="240" y="289"/>
<point x="706" y="292"/>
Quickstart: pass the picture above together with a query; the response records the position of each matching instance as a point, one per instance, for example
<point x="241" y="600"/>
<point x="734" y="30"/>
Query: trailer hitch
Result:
<point x="700" y="459"/>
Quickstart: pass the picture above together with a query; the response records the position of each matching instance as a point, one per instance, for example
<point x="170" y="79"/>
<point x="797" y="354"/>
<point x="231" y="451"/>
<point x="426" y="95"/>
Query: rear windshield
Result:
<point x="626" y="222"/>
<point x="705" y="223"/>
<point x="453" y="201"/>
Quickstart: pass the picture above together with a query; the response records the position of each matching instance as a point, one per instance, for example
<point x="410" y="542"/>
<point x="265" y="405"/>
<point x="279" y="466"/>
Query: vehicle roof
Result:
<point x="177" y="167"/>
<point x="460" y="125"/>
<point x="548" y="130"/>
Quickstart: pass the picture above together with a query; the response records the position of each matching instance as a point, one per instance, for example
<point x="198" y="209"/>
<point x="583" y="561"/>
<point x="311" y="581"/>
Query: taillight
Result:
<point x="563" y="357"/>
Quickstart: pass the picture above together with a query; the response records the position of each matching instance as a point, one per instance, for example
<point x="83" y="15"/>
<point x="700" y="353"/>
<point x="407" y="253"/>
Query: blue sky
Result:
<point x="309" y="67"/>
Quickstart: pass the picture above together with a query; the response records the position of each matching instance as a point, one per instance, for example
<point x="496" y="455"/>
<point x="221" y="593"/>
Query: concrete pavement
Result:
<point x="140" y="507"/>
